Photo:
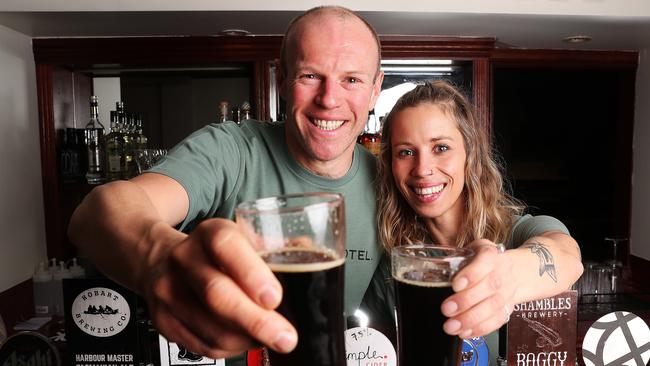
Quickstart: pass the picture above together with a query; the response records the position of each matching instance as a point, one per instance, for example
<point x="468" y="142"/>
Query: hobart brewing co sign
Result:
<point x="100" y="323"/>
<point x="101" y="312"/>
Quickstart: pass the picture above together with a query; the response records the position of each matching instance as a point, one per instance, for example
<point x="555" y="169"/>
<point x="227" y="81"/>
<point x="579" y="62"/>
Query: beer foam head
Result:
<point x="301" y="260"/>
<point x="424" y="278"/>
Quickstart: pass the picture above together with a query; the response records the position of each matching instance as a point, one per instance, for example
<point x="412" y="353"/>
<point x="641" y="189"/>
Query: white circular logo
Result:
<point x="368" y="347"/>
<point x="618" y="338"/>
<point x="101" y="312"/>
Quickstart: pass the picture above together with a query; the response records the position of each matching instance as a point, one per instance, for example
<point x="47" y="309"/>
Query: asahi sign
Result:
<point x="543" y="332"/>
<point x="101" y="312"/>
<point x="28" y="349"/>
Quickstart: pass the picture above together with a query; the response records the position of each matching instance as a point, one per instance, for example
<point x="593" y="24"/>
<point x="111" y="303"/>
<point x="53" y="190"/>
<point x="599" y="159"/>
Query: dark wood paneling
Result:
<point x="482" y="92"/>
<point x="510" y="57"/>
<point x="47" y="127"/>
<point x="260" y="89"/>
<point x="183" y="50"/>
<point x="63" y="104"/>
<point x="83" y="52"/>
<point x="62" y="99"/>
<point x="83" y="89"/>
<point x="436" y="47"/>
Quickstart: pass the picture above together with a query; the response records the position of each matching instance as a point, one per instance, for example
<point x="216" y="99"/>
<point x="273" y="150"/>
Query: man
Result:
<point x="208" y="290"/>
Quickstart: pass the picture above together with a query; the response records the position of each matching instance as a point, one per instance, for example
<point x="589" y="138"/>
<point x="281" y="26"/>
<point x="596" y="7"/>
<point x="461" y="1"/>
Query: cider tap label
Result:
<point x="368" y="347"/>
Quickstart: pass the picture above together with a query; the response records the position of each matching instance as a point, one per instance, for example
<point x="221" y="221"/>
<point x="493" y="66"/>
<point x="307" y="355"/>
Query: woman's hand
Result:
<point x="485" y="290"/>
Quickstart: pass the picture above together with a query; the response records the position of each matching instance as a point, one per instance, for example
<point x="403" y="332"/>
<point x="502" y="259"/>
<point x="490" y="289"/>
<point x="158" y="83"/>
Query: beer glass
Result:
<point x="302" y="239"/>
<point x="422" y="275"/>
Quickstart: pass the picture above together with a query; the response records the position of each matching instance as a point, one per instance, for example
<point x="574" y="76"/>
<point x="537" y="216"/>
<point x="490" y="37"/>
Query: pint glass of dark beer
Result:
<point x="302" y="239"/>
<point x="422" y="275"/>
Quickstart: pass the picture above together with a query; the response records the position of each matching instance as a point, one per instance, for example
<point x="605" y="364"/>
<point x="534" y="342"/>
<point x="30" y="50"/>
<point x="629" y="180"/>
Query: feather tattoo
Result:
<point x="546" y="263"/>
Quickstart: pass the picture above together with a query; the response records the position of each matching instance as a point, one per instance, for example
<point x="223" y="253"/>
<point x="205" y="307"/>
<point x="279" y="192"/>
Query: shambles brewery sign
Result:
<point x="543" y="332"/>
<point x="100" y="323"/>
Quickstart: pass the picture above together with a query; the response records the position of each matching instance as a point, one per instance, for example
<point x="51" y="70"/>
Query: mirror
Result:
<point x="400" y="76"/>
<point x="173" y="102"/>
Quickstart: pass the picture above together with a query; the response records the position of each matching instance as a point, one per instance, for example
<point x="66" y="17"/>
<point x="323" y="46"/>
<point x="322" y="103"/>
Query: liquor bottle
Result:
<point x="94" y="138"/>
<point x="236" y="115"/>
<point x="371" y="138"/>
<point x="122" y="129"/>
<point x="114" y="147"/>
<point x="142" y="139"/>
<point x="72" y="164"/>
<point x="224" y="109"/>
<point x="130" y="144"/>
<point x="120" y="117"/>
<point x="246" y="111"/>
<point x="119" y="110"/>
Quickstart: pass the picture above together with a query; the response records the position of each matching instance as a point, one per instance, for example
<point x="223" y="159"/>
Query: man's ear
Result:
<point x="376" y="89"/>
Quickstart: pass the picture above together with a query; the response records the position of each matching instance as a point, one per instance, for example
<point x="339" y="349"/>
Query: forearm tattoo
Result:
<point x="546" y="262"/>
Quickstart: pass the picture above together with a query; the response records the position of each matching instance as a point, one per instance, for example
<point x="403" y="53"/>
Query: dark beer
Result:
<point x="313" y="302"/>
<point x="421" y="339"/>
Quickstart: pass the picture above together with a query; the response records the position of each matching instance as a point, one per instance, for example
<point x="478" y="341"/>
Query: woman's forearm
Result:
<point x="545" y="265"/>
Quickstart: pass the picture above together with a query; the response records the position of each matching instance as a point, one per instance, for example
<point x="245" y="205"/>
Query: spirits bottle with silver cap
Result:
<point x="94" y="138"/>
<point x="224" y="110"/>
<point x="246" y="111"/>
<point x="141" y="141"/>
<point x="114" y="147"/>
<point x="130" y="145"/>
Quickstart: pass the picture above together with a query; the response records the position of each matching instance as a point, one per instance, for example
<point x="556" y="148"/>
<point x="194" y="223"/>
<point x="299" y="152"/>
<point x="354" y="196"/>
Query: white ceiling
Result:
<point x="613" y="24"/>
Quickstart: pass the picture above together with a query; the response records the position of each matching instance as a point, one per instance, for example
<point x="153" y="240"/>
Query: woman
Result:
<point x="440" y="183"/>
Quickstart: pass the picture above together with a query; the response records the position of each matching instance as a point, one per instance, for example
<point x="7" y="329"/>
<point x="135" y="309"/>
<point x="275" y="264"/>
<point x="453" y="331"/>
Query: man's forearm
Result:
<point x="120" y="231"/>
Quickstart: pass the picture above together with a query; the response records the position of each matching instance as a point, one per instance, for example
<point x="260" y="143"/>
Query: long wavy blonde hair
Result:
<point x="489" y="208"/>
